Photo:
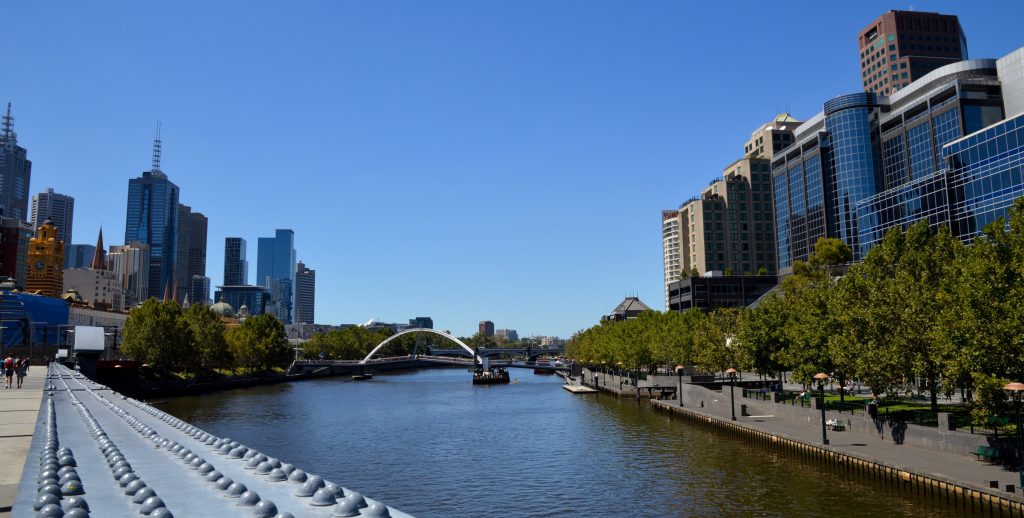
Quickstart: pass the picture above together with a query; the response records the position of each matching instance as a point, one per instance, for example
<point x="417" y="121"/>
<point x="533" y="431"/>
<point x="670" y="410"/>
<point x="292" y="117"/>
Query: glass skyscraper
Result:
<point x="236" y="268"/>
<point x="275" y="270"/>
<point x="15" y="172"/>
<point x="152" y="219"/>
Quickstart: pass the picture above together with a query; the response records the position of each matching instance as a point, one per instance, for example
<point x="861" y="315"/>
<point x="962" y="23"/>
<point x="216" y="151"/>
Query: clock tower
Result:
<point x="46" y="262"/>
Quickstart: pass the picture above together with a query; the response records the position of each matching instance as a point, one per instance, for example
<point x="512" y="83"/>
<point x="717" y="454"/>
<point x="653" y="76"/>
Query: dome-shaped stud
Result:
<point x="67" y="460"/>
<point x="346" y="508"/>
<point x="248" y="499"/>
<point x="77" y="512"/>
<point x="134" y="487"/>
<point x="71" y="487"/>
<point x="213" y="476"/>
<point x="152" y="503"/>
<point x="297" y="476"/>
<point x="45" y="499"/>
<point x="264" y="509"/>
<point x="336" y="489"/>
<point x="253" y="453"/>
<point x="126" y="479"/>
<point x="235" y="490"/>
<point x="50" y="511"/>
<point x="322" y="497"/>
<point x="75" y="502"/>
<point x="274" y="463"/>
<point x="204" y="468"/>
<point x="276" y="475"/>
<point x="238" y="452"/>
<point x="287" y="468"/>
<point x="161" y="512"/>
<point x="196" y="462"/>
<point x="68" y="477"/>
<point x="223" y="483"/>
<point x="255" y="461"/>
<point x="122" y="471"/>
<point x="263" y="468"/>
<point x="143" y="494"/>
<point x="376" y="510"/>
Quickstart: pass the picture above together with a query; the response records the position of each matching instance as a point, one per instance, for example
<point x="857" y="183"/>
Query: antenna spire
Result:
<point x="8" y="122"/>
<point x="156" y="149"/>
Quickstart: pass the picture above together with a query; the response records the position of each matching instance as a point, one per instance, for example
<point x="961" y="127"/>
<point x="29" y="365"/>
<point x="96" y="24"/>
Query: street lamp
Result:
<point x="732" y="389"/>
<point x="822" y="377"/>
<point x="1016" y="390"/>
<point x="679" y="372"/>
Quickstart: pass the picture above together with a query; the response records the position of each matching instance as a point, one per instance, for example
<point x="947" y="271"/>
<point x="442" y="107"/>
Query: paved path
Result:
<point x="19" y="409"/>
<point x="946" y="466"/>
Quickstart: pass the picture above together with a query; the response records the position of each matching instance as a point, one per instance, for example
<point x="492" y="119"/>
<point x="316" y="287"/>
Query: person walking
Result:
<point x="8" y="370"/>
<point x="20" y="370"/>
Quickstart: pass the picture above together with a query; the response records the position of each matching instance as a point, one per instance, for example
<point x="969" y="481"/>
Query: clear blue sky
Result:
<point x="460" y="159"/>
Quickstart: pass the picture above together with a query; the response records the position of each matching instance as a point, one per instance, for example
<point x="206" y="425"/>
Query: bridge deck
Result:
<point x="103" y="429"/>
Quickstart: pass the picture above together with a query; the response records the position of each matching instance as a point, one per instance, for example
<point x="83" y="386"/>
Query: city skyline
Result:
<point x="417" y="196"/>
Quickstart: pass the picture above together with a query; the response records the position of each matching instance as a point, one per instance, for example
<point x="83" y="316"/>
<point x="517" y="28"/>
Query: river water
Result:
<point x="431" y="444"/>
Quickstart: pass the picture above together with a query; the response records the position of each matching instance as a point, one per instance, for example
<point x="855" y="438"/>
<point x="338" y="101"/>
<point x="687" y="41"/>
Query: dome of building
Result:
<point x="223" y="309"/>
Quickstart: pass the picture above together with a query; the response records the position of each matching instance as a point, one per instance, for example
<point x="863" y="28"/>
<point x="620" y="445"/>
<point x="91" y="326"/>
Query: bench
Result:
<point x="987" y="453"/>
<point x="835" y="425"/>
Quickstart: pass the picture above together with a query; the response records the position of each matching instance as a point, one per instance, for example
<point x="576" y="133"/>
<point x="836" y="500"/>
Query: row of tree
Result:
<point x="162" y="334"/>
<point x="922" y="308"/>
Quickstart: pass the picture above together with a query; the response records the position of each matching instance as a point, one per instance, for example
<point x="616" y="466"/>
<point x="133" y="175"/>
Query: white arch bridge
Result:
<point x="465" y="350"/>
<point x="476" y="357"/>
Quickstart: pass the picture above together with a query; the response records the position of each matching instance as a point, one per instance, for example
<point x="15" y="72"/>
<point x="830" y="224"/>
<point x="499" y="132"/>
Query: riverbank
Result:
<point x="961" y="482"/>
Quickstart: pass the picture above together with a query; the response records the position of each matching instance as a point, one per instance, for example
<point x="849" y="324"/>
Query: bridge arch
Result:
<point x="473" y="353"/>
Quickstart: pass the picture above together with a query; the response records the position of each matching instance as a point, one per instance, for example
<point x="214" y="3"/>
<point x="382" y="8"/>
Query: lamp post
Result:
<point x="822" y="377"/>
<point x="679" y="394"/>
<point x="1016" y="390"/>
<point x="732" y="390"/>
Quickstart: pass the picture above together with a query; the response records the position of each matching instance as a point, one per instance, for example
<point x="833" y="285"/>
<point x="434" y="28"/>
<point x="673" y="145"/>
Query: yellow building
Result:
<point x="46" y="262"/>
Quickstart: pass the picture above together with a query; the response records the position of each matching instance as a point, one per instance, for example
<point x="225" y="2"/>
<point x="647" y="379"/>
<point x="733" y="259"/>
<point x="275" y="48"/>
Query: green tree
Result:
<point x="207" y="334"/>
<point x="260" y="343"/>
<point x="760" y="331"/>
<point x="154" y="333"/>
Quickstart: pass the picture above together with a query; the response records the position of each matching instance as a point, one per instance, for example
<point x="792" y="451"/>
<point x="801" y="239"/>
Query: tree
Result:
<point x="154" y="333"/>
<point x="260" y="343"/>
<point x="760" y="331"/>
<point x="207" y="334"/>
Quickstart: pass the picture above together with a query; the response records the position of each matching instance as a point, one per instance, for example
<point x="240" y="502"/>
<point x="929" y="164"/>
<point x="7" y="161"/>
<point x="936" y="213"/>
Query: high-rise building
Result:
<point x="867" y="164"/>
<point x="131" y="264"/>
<point x="152" y="219"/>
<point x="199" y="293"/>
<point x="78" y="256"/>
<point x="56" y="207"/>
<point x="197" y="255"/>
<point x="15" y="172"/>
<point x="671" y="229"/>
<point x="275" y="270"/>
<point x="771" y="137"/>
<point x="305" y="294"/>
<point x="486" y="328"/>
<point x="421" y="322"/>
<point x="14" y="241"/>
<point x="236" y="268"/>
<point x="190" y="260"/>
<point x="900" y="47"/>
<point x="46" y="262"/>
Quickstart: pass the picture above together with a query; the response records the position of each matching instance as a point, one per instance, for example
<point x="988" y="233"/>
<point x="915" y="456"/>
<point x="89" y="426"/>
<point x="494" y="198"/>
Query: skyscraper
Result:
<point x="236" y="268"/>
<point x="197" y="257"/>
<point x="131" y="264"/>
<point x="305" y="294"/>
<point x="901" y="46"/>
<point x="78" y="256"/>
<point x="199" y="292"/>
<point x="275" y="269"/>
<point x="58" y="208"/>
<point x="15" y="172"/>
<point x="486" y="328"/>
<point x="152" y="219"/>
<point x="190" y="260"/>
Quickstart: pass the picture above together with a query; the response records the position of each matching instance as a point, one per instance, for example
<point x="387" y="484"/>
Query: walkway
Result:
<point x="19" y="409"/>
<point x="943" y="466"/>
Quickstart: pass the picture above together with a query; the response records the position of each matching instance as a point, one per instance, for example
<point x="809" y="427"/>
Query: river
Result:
<point x="431" y="444"/>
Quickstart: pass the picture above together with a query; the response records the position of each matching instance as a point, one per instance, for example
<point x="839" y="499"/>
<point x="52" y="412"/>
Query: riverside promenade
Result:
<point x="19" y="409"/>
<point x="962" y="481"/>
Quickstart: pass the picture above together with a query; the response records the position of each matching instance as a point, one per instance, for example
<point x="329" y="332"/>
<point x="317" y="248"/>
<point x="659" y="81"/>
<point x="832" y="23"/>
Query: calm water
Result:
<point x="431" y="444"/>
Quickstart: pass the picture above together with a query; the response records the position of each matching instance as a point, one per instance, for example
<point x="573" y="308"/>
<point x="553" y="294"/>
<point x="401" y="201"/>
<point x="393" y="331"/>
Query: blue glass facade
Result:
<point x="851" y="122"/>
<point x="275" y="269"/>
<point x="152" y="219"/>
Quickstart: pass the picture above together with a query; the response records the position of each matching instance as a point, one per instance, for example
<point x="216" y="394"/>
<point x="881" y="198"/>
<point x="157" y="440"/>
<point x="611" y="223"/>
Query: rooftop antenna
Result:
<point x="8" y="122"/>
<point x="156" y="148"/>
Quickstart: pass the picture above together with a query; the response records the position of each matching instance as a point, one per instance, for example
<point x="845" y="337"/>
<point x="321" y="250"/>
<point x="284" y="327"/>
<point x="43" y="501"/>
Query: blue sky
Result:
<point x="461" y="160"/>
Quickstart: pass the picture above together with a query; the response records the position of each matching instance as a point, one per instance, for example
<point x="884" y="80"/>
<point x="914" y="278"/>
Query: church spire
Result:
<point x="99" y="256"/>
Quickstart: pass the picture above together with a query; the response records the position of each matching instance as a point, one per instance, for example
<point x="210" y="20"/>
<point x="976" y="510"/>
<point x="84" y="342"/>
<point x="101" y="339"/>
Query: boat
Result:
<point x="492" y="376"/>
<point x="362" y="377"/>
<point x="543" y="367"/>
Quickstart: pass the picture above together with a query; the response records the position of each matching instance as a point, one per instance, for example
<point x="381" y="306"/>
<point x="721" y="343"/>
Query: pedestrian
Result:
<point x="873" y="408"/>
<point x="8" y="370"/>
<point x="21" y="370"/>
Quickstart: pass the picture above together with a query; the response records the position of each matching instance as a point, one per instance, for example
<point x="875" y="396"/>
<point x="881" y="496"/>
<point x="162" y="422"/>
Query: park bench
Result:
<point x="835" y="425"/>
<point x="987" y="453"/>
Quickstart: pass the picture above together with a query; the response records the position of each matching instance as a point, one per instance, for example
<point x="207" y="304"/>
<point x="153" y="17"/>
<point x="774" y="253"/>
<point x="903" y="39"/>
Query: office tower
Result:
<point x="275" y="270"/>
<point x="236" y="268"/>
<point x="305" y="294"/>
<point x="152" y="219"/>
<point x="486" y="328"/>
<point x="14" y="241"/>
<point x="131" y="264"/>
<point x="46" y="262"/>
<point x="865" y="165"/>
<point x="56" y="207"/>
<point x="197" y="256"/>
<point x="671" y="229"/>
<point x="78" y="256"/>
<point x="900" y="47"/>
<point x="421" y="322"/>
<point x="15" y="172"/>
<point x="771" y="137"/>
<point x="199" y="292"/>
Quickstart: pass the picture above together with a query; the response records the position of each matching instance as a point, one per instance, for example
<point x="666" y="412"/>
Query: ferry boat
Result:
<point x="498" y="376"/>
<point x="543" y="367"/>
